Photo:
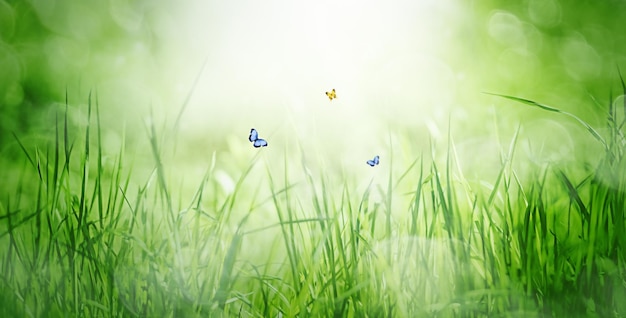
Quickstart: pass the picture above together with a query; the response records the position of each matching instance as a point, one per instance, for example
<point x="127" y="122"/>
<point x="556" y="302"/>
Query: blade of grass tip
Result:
<point x="269" y="198"/>
<point x="85" y="173"/>
<point x="496" y="130"/>
<point x="621" y="78"/>
<point x="99" y="164"/>
<point x="363" y="209"/>
<point x="226" y="280"/>
<point x="528" y="102"/>
<point x="55" y="187"/>
<point x="573" y="193"/>
<point x="262" y="281"/>
<point x="513" y="144"/>
<point x="327" y="230"/>
<point x="414" y="210"/>
<point x="389" y="195"/>
<point x="230" y="202"/>
<point x="405" y="173"/>
<point x="288" y="243"/>
<point x="117" y="177"/>
<point x="417" y="198"/>
<point x="442" y="201"/>
<point x="461" y="179"/>
<point x="83" y="224"/>
<point x="364" y="202"/>
<point x="453" y="206"/>
<point x="617" y="135"/>
<point x="152" y="135"/>
<point x="451" y="201"/>
<point x="431" y="206"/>
<point x="342" y="246"/>
<point x="187" y="99"/>
<point x="197" y="197"/>
<point x="9" y="254"/>
<point x="66" y="133"/>
<point x="113" y="190"/>
<point x="164" y="189"/>
<point x="612" y="118"/>
<point x="290" y="233"/>
<point x="352" y="236"/>
<point x="590" y="129"/>
<point x="612" y="112"/>
<point x="615" y="128"/>
<point x="19" y="142"/>
<point x="317" y="205"/>
<point x="38" y="160"/>
<point x="38" y="210"/>
<point x="506" y="163"/>
<point x="510" y="177"/>
<point x="55" y="175"/>
<point x="621" y="125"/>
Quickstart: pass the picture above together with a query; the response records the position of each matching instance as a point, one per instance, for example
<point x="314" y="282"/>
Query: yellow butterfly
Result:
<point x="331" y="94"/>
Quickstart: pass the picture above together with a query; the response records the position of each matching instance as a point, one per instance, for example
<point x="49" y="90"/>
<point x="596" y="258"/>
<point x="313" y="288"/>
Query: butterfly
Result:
<point x="374" y="161"/>
<point x="255" y="140"/>
<point x="331" y="94"/>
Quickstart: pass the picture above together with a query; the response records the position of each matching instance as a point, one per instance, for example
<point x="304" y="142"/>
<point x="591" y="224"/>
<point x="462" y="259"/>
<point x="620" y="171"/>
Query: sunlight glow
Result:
<point x="270" y="63"/>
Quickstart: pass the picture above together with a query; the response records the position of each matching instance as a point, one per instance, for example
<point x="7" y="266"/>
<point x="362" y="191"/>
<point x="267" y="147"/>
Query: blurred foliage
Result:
<point x="558" y="52"/>
<point x="50" y="47"/>
<point x="562" y="53"/>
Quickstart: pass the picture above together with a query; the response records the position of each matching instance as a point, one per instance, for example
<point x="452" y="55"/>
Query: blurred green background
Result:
<point x="405" y="67"/>
<point x="408" y="76"/>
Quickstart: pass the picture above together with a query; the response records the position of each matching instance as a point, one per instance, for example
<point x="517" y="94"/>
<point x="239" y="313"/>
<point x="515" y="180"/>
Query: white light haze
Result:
<point x="269" y="63"/>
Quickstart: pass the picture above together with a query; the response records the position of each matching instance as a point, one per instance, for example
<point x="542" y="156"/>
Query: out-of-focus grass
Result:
<point x="287" y="238"/>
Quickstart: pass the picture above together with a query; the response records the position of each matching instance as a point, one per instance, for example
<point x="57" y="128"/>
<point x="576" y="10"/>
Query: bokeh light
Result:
<point x="405" y="72"/>
<point x="409" y="68"/>
<point x="407" y="63"/>
<point x="416" y="84"/>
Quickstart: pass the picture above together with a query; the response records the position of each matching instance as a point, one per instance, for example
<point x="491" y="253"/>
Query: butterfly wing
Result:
<point x="373" y="162"/>
<point x="254" y="135"/>
<point x="332" y="94"/>
<point x="260" y="143"/>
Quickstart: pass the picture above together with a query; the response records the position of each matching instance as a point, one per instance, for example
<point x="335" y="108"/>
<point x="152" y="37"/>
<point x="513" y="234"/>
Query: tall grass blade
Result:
<point x="590" y="129"/>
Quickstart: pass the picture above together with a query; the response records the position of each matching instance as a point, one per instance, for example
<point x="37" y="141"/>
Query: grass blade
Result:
<point x="590" y="129"/>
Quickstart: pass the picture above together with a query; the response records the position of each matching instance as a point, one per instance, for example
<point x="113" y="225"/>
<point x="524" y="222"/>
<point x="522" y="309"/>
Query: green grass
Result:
<point x="83" y="237"/>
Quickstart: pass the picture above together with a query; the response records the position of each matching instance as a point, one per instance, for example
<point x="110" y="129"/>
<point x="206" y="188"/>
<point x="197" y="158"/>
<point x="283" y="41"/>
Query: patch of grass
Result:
<point x="83" y="238"/>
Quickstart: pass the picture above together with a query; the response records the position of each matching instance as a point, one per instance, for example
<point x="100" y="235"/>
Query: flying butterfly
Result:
<point x="332" y="94"/>
<point x="255" y="140"/>
<point x="374" y="161"/>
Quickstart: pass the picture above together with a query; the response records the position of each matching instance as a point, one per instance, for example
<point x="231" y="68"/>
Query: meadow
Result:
<point x="89" y="231"/>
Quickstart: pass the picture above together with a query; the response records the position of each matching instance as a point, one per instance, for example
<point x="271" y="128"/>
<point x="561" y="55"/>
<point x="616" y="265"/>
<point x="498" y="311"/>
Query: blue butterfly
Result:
<point x="374" y="161"/>
<point x="255" y="140"/>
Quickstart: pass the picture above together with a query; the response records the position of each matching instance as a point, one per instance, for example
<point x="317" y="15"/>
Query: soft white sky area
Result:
<point x="270" y="62"/>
